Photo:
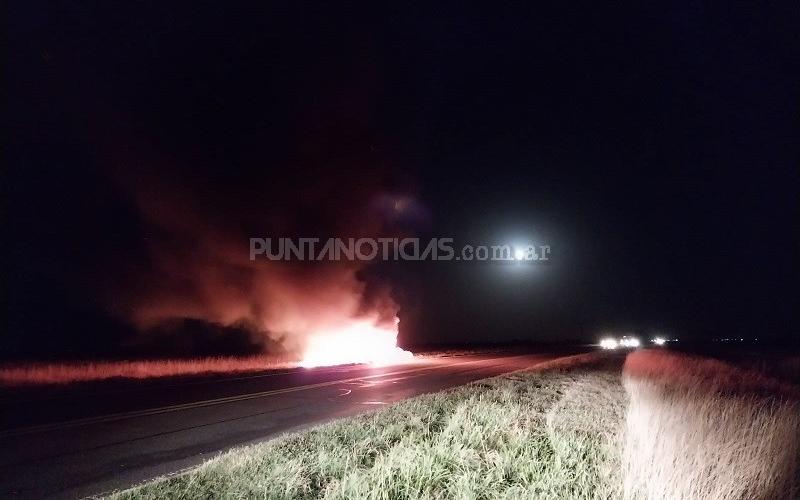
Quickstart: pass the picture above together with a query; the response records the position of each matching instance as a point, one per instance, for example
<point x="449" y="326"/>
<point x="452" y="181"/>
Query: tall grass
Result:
<point x="66" y="373"/>
<point x="88" y="371"/>
<point x="702" y="429"/>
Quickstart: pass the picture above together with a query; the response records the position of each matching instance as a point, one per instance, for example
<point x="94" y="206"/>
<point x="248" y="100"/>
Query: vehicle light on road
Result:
<point x="630" y="342"/>
<point x="609" y="343"/>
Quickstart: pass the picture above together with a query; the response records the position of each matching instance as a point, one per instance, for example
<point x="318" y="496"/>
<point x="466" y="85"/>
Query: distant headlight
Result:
<point x="659" y="341"/>
<point x="630" y="342"/>
<point x="609" y="343"/>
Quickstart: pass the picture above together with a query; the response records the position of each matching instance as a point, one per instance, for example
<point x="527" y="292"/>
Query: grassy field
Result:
<point x="700" y="428"/>
<point x="45" y="373"/>
<point x="663" y="427"/>
<point x="68" y="373"/>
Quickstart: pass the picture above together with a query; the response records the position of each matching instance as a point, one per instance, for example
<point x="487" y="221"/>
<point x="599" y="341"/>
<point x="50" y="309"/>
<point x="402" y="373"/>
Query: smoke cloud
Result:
<point x="195" y="274"/>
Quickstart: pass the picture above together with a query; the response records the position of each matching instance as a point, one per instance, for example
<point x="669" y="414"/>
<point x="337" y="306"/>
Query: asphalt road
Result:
<point x="88" y="439"/>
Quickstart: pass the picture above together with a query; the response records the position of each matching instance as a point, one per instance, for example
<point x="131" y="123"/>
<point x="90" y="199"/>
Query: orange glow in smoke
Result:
<point x="357" y="341"/>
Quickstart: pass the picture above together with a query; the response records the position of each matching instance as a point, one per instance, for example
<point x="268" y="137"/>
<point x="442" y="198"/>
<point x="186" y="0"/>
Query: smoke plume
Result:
<point x="195" y="269"/>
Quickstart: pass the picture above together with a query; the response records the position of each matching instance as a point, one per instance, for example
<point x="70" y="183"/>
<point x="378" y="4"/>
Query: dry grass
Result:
<point x="679" y="372"/>
<point x="65" y="373"/>
<point x="702" y="429"/>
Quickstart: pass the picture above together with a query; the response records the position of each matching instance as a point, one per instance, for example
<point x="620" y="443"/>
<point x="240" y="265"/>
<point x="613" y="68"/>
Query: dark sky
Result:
<point x="653" y="147"/>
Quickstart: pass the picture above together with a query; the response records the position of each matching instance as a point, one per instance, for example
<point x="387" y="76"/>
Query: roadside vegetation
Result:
<point x="67" y="373"/>
<point x="60" y="373"/>
<point x="700" y="428"/>
<point x="664" y="426"/>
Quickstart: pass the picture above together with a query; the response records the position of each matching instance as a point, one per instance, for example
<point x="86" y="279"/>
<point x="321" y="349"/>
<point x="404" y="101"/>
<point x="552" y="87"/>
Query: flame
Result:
<point x="357" y="341"/>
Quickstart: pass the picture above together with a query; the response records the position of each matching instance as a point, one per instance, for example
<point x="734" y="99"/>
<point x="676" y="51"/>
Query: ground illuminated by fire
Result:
<point x="357" y="341"/>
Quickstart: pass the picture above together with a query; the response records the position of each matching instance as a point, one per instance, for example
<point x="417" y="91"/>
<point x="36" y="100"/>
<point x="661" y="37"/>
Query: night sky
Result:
<point x="654" y="148"/>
